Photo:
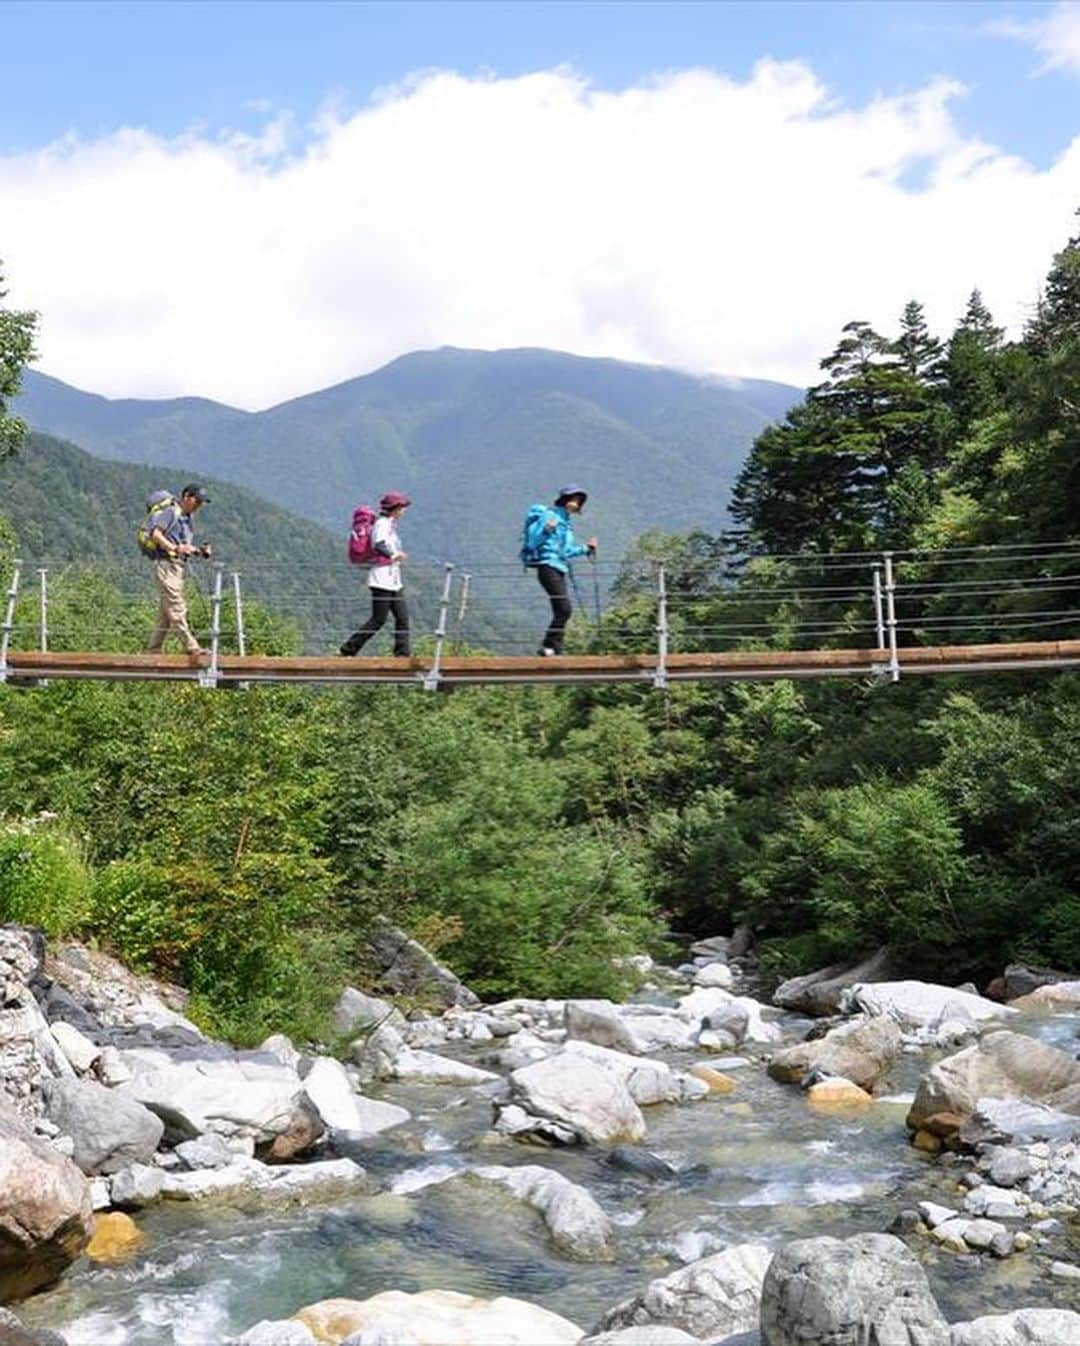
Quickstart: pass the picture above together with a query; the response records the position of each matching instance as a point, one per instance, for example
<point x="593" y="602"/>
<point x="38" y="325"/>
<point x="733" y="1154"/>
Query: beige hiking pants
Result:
<point x="172" y="606"/>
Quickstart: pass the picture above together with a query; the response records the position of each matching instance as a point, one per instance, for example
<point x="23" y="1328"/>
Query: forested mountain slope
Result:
<point x="71" y="510"/>
<point x="474" y="436"/>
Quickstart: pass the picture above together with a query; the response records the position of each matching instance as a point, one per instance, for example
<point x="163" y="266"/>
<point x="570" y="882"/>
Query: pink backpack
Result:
<point x="361" y="552"/>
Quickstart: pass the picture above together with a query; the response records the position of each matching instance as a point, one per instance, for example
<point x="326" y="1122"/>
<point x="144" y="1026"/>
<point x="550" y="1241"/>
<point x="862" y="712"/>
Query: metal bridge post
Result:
<point x="890" y="616"/>
<point x="9" y="619"/>
<point x="241" y="641"/>
<point x="208" y="677"/>
<point x="43" y="610"/>
<point x="879" y="610"/>
<point x="432" y="676"/>
<point x="660" y="676"/>
<point x="241" y="637"/>
<point x="463" y="607"/>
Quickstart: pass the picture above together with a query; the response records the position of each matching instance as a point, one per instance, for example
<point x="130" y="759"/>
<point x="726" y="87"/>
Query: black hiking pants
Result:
<point x="383" y="603"/>
<point x="553" y="582"/>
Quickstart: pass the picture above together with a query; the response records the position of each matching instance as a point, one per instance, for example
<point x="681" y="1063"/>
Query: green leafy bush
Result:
<point x="44" y="879"/>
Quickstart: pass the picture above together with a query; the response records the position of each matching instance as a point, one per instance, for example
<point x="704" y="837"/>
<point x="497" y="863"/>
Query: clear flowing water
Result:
<point x="754" y="1165"/>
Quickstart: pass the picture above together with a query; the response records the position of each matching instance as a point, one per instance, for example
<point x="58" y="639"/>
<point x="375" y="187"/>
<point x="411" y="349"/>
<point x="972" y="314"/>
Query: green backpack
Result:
<point x="155" y="501"/>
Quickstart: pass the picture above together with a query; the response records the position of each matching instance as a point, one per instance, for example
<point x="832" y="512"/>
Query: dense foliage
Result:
<point x="242" y="841"/>
<point x="17" y="329"/>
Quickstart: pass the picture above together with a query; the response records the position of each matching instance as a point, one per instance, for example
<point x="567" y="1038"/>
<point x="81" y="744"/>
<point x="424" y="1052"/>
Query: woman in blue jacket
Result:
<point x="550" y="546"/>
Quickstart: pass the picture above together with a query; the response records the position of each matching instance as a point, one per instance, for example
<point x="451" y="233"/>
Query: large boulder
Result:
<point x="1025" y="1327"/>
<point x="326" y="1180"/>
<point x="356" y="1011"/>
<point x="577" y="1224"/>
<point x="110" y="1130"/>
<point x="1020" y="979"/>
<point x="439" y="1318"/>
<point x="714" y="1297"/>
<point x="600" y="1022"/>
<point x="648" y="1081"/>
<point x="819" y="993"/>
<point x="1001" y="1065"/>
<point x="921" y="1008"/>
<point x="1058" y="995"/>
<point x="861" y="1051"/>
<point x="700" y="1005"/>
<point x="407" y="968"/>
<point x="45" y="1213"/>
<point x="572" y="1090"/>
<point x="249" y="1095"/>
<point x="846" y="1292"/>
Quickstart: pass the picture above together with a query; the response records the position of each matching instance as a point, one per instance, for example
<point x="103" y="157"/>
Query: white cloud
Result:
<point x="1055" y="36"/>
<point x="693" y="220"/>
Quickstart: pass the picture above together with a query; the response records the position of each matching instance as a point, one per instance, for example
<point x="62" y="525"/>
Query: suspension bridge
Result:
<point x="882" y="616"/>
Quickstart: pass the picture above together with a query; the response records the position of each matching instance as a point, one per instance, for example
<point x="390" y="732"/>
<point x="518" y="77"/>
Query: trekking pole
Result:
<point x="595" y="588"/>
<point x="463" y="607"/>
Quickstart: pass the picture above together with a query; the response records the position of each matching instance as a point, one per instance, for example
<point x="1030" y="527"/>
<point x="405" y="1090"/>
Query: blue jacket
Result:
<point x="555" y="547"/>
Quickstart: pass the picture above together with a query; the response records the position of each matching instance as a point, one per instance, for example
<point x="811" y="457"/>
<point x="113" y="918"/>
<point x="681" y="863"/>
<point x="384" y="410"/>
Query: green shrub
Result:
<point x="44" y="880"/>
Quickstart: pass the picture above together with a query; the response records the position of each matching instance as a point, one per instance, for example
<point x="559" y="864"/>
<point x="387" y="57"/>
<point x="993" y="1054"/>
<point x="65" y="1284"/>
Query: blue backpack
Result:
<point x="533" y="535"/>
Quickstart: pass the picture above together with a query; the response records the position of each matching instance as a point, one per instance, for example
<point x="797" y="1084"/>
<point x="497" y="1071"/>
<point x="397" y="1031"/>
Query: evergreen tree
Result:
<point x="919" y="352"/>
<point x="973" y="365"/>
<point x="16" y="351"/>
<point x="836" y="475"/>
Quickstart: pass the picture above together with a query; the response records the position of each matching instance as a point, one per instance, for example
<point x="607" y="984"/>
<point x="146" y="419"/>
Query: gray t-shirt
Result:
<point x="174" y="523"/>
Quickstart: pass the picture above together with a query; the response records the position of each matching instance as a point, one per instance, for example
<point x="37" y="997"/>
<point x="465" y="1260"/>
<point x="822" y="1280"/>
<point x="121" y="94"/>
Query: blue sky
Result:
<point x="88" y="68"/>
<point x="249" y="201"/>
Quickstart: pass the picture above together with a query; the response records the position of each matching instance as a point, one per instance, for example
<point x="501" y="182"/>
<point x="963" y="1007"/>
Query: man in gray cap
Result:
<point x="173" y="539"/>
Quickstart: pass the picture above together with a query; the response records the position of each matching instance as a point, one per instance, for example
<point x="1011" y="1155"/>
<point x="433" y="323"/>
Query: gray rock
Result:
<point x="846" y="1292"/>
<point x="1002" y="1065"/>
<point x="713" y="1297"/>
<point x="819" y="993"/>
<point x="861" y="1051"/>
<point x="137" y="1186"/>
<point x="933" y="1214"/>
<point x="633" y="1159"/>
<point x="1004" y="1120"/>
<point x="280" y="1046"/>
<point x="1021" y="980"/>
<point x="81" y="1053"/>
<point x="1009" y="1168"/>
<point x="599" y="1021"/>
<point x="1025" y="1327"/>
<point x="209" y="1151"/>
<point x="577" y="1224"/>
<point x="407" y="968"/>
<point x="980" y="1235"/>
<point x="574" y="1091"/>
<point x="356" y="1011"/>
<point x="109" y="1129"/>
<point x="731" y="1018"/>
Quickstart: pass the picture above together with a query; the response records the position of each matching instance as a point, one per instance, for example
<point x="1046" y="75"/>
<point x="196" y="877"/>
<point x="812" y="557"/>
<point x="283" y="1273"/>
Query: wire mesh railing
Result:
<point x="876" y="600"/>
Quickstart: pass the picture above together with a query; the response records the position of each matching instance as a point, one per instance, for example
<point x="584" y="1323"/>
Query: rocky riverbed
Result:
<point x="688" y="1167"/>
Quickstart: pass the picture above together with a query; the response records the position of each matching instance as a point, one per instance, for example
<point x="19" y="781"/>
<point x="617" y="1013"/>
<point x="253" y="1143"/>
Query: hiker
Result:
<point x="384" y="581"/>
<point x="549" y="545"/>
<point x="170" y="541"/>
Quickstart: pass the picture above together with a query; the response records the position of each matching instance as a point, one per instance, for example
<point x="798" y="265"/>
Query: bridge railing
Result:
<point x="696" y="604"/>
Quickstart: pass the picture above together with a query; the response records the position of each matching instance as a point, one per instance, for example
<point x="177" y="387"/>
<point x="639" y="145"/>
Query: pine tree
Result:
<point x="973" y="366"/>
<point x="918" y="351"/>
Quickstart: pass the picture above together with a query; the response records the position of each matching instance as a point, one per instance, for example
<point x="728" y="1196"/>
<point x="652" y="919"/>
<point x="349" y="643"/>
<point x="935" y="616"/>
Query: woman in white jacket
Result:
<point x="385" y="583"/>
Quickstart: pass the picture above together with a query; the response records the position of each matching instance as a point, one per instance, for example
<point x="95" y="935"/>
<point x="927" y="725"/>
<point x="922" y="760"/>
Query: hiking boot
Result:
<point x="546" y="651"/>
<point x="347" y="650"/>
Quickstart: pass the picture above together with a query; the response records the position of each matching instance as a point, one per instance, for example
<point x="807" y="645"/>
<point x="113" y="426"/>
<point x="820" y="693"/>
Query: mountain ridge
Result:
<point x="473" y="436"/>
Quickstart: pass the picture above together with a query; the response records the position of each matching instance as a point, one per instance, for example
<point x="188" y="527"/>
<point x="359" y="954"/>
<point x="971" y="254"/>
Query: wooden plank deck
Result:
<point x="573" y="668"/>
